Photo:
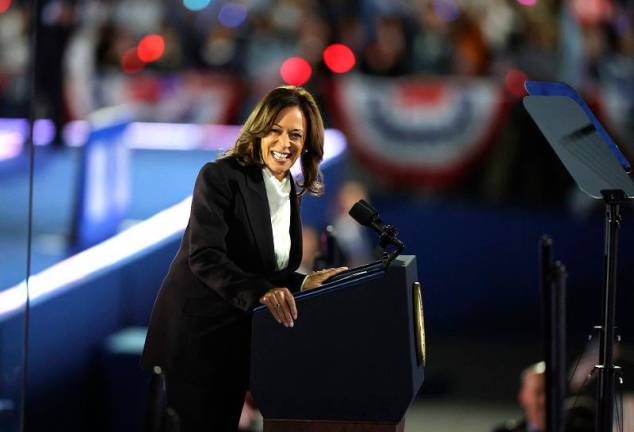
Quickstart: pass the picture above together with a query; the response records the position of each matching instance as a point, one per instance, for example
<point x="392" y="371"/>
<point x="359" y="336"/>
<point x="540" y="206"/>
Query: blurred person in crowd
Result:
<point x="14" y="58"/>
<point x="532" y="400"/>
<point x="387" y="53"/>
<point x="222" y="50"/>
<point x="241" y="248"/>
<point x="432" y="49"/>
<point x="55" y="22"/>
<point x="349" y="234"/>
<point x="578" y="411"/>
<point x="471" y="52"/>
<point x="273" y="32"/>
<point x="310" y="249"/>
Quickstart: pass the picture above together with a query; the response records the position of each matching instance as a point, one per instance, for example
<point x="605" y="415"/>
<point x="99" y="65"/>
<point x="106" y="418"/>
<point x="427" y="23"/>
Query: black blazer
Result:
<point x="201" y="321"/>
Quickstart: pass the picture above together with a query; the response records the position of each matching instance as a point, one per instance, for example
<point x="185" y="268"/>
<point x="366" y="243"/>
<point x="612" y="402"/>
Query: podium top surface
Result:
<point x="579" y="143"/>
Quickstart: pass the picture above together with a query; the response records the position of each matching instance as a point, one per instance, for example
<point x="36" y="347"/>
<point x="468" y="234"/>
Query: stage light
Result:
<point x="527" y="2"/>
<point x="151" y="48"/>
<point x="295" y="71"/>
<point x="4" y="5"/>
<point x="514" y="82"/>
<point x="130" y="62"/>
<point x="196" y="5"/>
<point x="339" y="58"/>
<point x="232" y="14"/>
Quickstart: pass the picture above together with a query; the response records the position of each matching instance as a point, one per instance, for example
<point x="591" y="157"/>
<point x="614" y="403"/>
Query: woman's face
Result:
<point x="284" y="143"/>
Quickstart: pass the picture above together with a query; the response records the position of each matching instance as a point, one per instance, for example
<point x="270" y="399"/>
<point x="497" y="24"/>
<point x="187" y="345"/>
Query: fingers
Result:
<point x="284" y="308"/>
<point x="315" y="279"/>
<point x="333" y="271"/>
<point x="281" y="303"/>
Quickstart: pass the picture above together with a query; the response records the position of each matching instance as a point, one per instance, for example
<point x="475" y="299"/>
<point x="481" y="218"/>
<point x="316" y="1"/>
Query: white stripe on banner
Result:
<point x="419" y="130"/>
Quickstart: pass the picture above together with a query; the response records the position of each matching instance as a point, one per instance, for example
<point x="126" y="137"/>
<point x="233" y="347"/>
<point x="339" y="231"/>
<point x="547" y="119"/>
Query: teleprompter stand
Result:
<point x="600" y="170"/>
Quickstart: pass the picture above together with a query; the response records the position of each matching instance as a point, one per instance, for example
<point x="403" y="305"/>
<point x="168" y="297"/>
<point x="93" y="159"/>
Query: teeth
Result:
<point x="280" y="156"/>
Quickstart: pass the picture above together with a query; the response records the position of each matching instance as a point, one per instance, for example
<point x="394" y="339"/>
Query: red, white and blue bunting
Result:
<point x="418" y="131"/>
<point x="188" y="97"/>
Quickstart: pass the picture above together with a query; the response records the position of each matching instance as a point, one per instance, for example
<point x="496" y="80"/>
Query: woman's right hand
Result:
<point x="281" y="304"/>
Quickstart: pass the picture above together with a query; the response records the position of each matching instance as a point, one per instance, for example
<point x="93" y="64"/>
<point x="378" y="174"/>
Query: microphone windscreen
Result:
<point x="362" y="212"/>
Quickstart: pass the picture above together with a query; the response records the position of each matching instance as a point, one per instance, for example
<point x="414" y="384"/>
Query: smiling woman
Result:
<point x="286" y="113"/>
<point x="242" y="247"/>
<point x="281" y="147"/>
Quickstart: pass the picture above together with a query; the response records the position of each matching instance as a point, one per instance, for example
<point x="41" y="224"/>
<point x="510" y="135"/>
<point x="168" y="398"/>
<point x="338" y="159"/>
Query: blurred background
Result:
<point x="422" y="100"/>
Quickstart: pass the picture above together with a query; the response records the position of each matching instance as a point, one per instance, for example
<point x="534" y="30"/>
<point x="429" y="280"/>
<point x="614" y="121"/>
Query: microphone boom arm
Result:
<point x="388" y="237"/>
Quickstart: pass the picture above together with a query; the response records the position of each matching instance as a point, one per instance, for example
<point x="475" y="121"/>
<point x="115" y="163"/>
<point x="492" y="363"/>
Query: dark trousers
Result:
<point x="203" y="407"/>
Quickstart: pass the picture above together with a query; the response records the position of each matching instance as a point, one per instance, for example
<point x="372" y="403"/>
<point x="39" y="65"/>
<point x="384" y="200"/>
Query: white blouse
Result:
<point x="278" y="194"/>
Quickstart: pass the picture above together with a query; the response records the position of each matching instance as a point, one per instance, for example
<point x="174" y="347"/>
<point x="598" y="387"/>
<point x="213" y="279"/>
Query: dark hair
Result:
<point x="247" y="149"/>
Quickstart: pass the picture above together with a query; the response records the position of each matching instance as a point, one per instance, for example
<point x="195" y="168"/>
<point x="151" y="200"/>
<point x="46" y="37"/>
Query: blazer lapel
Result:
<point x="295" y="257"/>
<point x="258" y="212"/>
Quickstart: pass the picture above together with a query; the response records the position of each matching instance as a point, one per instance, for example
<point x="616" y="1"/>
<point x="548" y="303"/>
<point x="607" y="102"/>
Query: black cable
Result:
<point x="572" y="374"/>
<point x="620" y="420"/>
<point x="585" y="382"/>
<point x="35" y="8"/>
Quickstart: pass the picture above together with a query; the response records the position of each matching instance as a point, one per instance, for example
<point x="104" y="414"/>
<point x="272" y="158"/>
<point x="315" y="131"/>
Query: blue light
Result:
<point x="196" y="5"/>
<point x="232" y="14"/>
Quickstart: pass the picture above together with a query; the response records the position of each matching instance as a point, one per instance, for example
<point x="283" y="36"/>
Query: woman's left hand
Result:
<point x="316" y="278"/>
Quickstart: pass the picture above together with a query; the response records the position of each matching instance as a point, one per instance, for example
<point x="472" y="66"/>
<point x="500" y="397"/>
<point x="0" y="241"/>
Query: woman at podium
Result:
<point x="241" y="247"/>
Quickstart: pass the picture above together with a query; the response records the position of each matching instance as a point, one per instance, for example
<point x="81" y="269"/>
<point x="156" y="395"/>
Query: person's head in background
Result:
<point x="349" y="193"/>
<point x="310" y="248"/>
<point x="285" y="125"/>
<point x="532" y="395"/>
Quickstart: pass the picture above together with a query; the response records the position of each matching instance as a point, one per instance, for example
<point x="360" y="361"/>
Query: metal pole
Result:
<point x="557" y="366"/>
<point x="547" y="291"/>
<point x="605" y="389"/>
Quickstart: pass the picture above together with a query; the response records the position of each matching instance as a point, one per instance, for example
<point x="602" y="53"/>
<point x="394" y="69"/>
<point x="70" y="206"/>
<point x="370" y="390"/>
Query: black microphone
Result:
<point x="367" y="215"/>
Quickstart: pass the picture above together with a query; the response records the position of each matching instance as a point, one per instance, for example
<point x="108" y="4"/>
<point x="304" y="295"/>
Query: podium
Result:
<point x="354" y="361"/>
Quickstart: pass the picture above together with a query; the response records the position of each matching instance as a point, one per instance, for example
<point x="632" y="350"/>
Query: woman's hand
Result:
<point x="315" y="279"/>
<point x="281" y="304"/>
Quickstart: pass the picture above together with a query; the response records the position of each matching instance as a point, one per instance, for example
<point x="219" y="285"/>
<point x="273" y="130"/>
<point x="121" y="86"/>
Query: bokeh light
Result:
<point x="527" y="2"/>
<point x="232" y="14"/>
<point x="196" y="5"/>
<point x="339" y="58"/>
<point x="151" y="48"/>
<point x="4" y="5"/>
<point x="514" y="82"/>
<point x="295" y="71"/>
<point x="130" y="62"/>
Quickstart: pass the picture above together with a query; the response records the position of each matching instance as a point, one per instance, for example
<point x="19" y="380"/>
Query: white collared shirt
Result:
<point x="278" y="194"/>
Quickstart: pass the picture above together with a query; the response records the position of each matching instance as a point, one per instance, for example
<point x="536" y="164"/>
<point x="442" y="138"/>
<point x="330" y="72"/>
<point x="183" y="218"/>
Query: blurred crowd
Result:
<point x="580" y="42"/>
<point x="86" y="50"/>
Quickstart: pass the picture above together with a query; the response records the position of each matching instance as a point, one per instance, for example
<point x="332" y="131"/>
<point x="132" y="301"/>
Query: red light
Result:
<point x="339" y="58"/>
<point x="151" y="48"/>
<point x="4" y="5"/>
<point x="514" y="82"/>
<point x="130" y="62"/>
<point x="295" y="71"/>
